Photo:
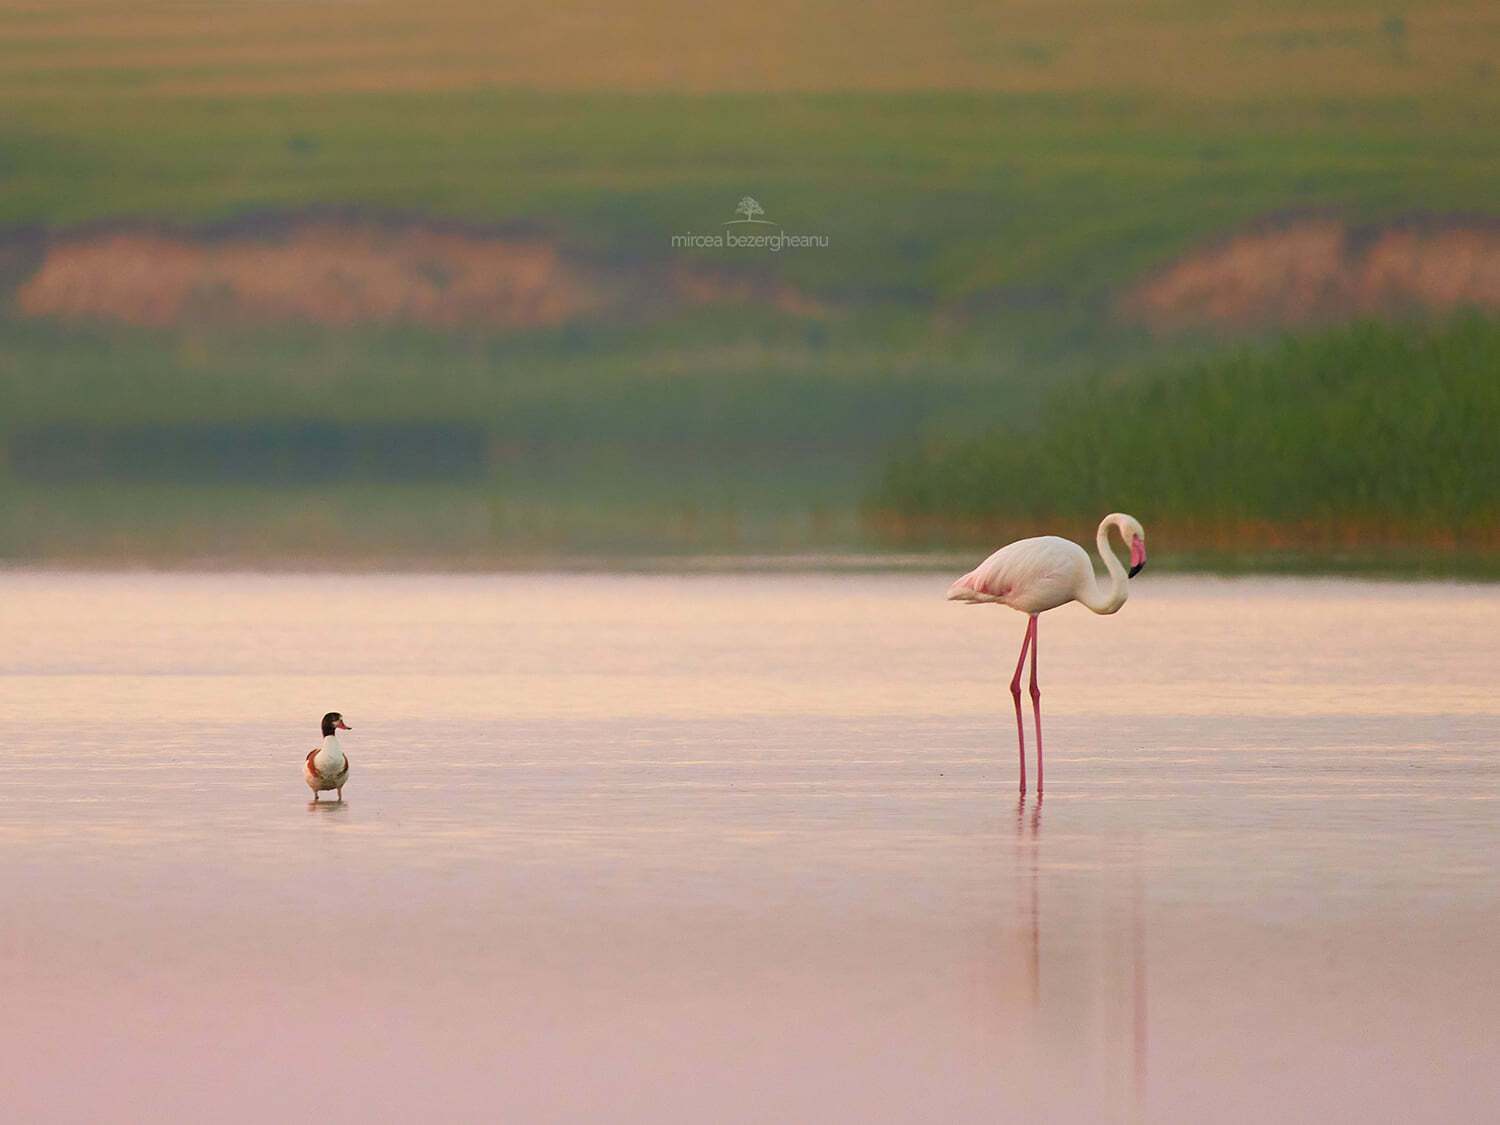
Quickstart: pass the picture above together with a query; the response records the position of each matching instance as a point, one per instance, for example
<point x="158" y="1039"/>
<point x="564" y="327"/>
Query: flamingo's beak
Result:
<point x="1137" y="555"/>
<point x="340" y="725"/>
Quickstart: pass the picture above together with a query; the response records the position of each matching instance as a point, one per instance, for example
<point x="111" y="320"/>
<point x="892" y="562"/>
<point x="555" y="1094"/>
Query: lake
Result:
<point x="745" y="848"/>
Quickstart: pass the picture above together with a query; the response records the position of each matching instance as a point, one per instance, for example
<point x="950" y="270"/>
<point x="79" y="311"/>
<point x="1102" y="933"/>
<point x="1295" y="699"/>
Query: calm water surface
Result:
<point x="745" y="849"/>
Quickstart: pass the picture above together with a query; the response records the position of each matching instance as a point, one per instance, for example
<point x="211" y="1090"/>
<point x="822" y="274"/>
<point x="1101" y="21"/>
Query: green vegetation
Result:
<point x="998" y="160"/>
<point x="1007" y="201"/>
<point x="991" y="181"/>
<point x="1372" y="433"/>
<point x="749" y="431"/>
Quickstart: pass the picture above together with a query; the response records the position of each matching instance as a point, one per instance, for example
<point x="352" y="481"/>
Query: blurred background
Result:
<point x="367" y="282"/>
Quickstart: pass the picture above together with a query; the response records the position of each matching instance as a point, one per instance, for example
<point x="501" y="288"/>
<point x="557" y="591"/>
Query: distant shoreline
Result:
<point x="1398" y="564"/>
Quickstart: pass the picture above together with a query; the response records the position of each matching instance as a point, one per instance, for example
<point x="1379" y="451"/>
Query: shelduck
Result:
<point x="326" y="766"/>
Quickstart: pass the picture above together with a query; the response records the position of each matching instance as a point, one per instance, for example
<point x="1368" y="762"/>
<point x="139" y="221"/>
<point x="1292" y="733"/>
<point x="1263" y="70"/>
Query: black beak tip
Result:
<point x="1137" y="568"/>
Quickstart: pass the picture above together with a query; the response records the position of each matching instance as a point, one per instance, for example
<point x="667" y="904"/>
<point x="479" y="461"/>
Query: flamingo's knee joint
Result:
<point x="1036" y="692"/>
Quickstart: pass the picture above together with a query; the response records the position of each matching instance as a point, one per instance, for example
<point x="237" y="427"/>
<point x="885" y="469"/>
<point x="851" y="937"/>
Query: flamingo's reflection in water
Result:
<point x="1028" y="893"/>
<point x="1109" y="1006"/>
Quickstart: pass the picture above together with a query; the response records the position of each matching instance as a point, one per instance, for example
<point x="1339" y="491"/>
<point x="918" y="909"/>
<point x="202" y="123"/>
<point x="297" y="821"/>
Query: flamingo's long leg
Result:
<point x="1036" y="703"/>
<point x="1015" y="691"/>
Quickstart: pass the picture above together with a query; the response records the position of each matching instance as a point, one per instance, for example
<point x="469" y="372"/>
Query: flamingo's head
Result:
<point x="1135" y="539"/>
<point x="333" y="721"/>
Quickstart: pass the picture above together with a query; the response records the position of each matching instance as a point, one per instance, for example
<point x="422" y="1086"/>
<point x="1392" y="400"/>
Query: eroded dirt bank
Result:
<point x="343" y="271"/>
<point x="1320" y="270"/>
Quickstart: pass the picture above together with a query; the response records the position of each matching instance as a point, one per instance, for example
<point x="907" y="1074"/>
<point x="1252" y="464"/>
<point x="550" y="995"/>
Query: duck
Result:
<point x="327" y="767"/>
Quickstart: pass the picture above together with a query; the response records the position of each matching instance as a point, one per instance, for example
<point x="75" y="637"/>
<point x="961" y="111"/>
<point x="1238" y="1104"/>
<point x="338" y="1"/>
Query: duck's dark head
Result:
<point x="333" y="721"/>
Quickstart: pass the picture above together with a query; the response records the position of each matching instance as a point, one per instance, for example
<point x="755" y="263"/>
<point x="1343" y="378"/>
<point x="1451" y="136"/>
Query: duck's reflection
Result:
<point x="1113" y="997"/>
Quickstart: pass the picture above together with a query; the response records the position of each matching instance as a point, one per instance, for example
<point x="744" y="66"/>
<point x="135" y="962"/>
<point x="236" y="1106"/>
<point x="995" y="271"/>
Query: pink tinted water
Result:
<point x="745" y="848"/>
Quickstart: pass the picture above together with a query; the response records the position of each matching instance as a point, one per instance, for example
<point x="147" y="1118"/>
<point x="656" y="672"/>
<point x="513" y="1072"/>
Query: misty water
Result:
<point x="745" y="848"/>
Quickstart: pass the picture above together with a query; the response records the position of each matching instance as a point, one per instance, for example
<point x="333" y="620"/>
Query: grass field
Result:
<point x="990" y="183"/>
<point x="1203" y="49"/>
<point x="1007" y="199"/>
<point x="1371" y="435"/>
<point x="1038" y="146"/>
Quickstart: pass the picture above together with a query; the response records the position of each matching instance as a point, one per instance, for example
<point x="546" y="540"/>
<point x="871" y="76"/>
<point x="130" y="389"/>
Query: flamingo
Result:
<point x="1035" y="575"/>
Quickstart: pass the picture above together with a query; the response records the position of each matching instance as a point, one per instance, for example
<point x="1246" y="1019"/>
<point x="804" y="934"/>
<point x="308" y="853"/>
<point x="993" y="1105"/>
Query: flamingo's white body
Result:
<point x="1035" y="575"/>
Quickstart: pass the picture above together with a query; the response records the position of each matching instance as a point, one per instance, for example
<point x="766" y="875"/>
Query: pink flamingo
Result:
<point x="1035" y="575"/>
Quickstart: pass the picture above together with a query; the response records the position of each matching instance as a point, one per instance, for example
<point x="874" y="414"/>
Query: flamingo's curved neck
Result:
<point x="1111" y="598"/>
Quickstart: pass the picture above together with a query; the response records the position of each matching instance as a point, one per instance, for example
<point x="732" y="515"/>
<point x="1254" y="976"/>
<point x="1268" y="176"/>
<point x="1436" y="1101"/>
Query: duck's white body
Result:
<point x="326" y="768"/>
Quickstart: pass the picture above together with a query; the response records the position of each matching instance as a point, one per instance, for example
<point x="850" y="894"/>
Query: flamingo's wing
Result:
<point x="974" y="588"/>
<point x="1029" y="574"/>
<point x="992" y="580"/>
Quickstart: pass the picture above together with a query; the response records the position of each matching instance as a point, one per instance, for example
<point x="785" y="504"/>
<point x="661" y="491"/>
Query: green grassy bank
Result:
<point x="1370" y="435"/>
<point x="991" y="183"/>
